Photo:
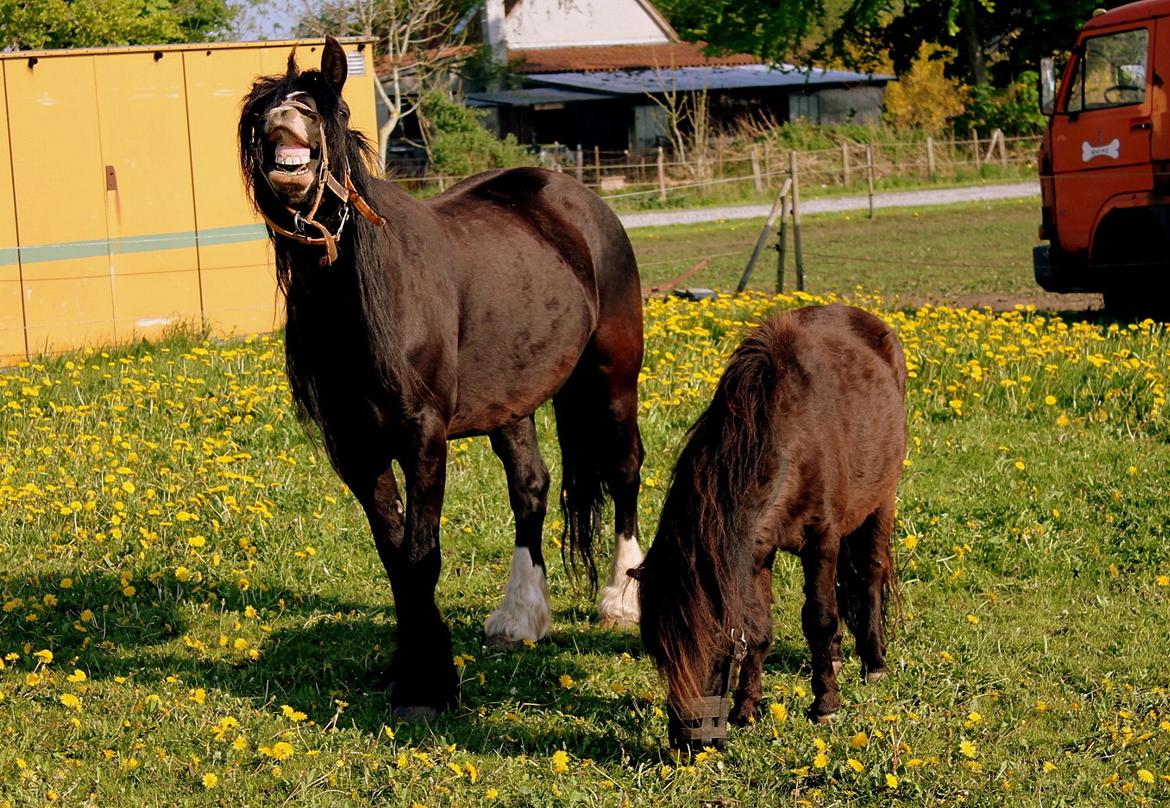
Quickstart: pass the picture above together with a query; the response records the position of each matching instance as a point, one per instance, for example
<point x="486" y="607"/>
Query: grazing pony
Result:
<point x="800" y="450"/>
<point x="411" y="323"/>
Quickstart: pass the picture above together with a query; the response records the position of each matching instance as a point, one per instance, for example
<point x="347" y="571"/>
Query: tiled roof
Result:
<point x="586" y="59"/>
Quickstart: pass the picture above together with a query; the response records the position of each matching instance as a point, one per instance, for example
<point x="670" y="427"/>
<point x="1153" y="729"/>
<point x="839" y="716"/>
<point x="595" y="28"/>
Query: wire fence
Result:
<point x="664" y="173"/>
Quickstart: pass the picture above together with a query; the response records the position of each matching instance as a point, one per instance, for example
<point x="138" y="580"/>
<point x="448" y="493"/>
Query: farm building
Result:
<point x="589" y="72"/>
<point x="122" y="210"/>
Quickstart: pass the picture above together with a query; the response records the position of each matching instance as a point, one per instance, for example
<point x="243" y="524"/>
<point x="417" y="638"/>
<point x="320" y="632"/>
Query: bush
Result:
<point x="458" y="144"/>
<point x="924" y="98"/>
<point x="1015" y="109"/>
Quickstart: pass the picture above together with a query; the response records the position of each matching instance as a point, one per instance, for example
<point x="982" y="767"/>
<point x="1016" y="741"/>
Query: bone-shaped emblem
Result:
<point x="1112" y="149"/>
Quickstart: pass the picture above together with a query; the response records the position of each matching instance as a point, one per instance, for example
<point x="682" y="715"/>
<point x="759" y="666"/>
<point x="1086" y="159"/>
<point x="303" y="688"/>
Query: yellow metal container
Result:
<point x="122" y="212"/>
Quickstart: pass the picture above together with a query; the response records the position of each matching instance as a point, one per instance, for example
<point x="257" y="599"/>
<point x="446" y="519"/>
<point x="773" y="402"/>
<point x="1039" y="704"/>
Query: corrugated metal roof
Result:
<point x="531" y="97"/>
<point x="584" y="59"/>
<point x="694" y="79"/>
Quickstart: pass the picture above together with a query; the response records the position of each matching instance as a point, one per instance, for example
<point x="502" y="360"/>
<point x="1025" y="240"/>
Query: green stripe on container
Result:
<point x="156" y="242"/>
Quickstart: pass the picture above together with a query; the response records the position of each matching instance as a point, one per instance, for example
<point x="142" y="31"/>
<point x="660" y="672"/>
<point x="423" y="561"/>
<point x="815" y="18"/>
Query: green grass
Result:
<point x="908" y="255"/>
<point x="170" y="532"/>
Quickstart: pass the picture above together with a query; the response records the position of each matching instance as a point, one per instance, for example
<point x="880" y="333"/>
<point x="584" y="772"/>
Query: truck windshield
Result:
<point x="1111" y="72"/>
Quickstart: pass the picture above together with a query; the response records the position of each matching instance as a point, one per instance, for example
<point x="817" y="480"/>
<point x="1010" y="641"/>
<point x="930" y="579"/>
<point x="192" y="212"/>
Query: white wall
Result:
<point x="560" y="23"/>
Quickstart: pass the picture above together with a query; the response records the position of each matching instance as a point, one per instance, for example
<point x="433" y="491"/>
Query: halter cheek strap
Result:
<point x="344" y="191"/>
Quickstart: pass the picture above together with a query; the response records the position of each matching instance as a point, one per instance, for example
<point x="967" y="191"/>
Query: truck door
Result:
<point x="1101" y="147"/>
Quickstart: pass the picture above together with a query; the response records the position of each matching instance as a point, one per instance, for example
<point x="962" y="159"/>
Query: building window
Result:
<point x="807" y="107"/>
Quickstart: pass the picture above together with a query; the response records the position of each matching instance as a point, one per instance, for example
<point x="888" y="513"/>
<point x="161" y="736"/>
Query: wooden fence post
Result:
<point x="782" y="250"/>
<point x="758" y="180"/>
<point x="869" y="174"/>
<point x="580" y="164"/>
<point x="845" y="164"/>
<point x="777" y="210"/>
<point x="978" y="153"/>
<point x="767" y="162"/>
<point x="931" y="167"/>
<point x="661" y="175"/>
<point x="1002" y="148"/>
<point x="597" y="166"/>
<point x="796" y="245"/>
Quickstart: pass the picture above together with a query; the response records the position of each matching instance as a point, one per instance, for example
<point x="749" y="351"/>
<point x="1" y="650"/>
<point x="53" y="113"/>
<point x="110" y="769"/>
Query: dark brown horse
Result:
<point x="411" y="323"/>
<point x="801" y="451"/>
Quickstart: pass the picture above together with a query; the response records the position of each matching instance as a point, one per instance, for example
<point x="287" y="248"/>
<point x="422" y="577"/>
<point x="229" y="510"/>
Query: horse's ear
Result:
<point x="292" y="69"/>
<point x="635" y="573"/>
<point x="334" y="66"/>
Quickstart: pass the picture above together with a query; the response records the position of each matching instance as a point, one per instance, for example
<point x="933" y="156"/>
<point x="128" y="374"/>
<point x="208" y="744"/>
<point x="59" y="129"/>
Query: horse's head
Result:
<point x="294" y="129"/>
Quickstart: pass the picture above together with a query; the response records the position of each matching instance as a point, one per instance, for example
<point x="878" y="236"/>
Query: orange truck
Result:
<point x="1105" y="162"/>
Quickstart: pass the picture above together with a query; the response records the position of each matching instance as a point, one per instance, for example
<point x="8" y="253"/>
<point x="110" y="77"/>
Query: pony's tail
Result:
<point x="582" y="487"/>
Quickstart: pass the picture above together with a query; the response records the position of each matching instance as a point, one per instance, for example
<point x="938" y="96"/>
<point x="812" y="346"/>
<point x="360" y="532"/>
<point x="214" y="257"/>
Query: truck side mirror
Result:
<point x="1048" y="86"/>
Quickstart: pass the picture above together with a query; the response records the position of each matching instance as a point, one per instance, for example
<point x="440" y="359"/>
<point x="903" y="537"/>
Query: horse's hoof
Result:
<point x="875" y="676"/>
<point x="824" y="718"/>
<point x="415" y="713"/>
<point x="618" y="606"/>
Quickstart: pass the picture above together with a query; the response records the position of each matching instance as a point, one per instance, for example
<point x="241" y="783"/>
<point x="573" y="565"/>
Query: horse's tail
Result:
<point x="692" y="581"/>
<point x="583" y="485"/>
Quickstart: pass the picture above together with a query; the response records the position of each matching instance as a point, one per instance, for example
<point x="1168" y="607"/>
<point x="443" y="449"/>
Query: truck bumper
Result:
<point x="1057" y="272"/>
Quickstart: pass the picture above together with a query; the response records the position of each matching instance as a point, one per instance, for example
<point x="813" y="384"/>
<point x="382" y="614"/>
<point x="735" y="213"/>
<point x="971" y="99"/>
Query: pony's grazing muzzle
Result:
<point x="695" y="724"/>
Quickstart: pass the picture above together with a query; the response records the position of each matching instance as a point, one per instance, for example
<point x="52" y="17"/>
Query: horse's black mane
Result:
<point x="340" y="317"/>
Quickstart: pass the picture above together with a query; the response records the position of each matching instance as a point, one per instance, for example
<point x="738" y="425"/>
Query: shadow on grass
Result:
<point x="331" y="650"/>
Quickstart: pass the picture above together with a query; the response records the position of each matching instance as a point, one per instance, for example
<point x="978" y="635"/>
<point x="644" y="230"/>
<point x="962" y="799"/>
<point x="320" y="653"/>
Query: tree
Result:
<point x="97" y="23"/>
<point x="420" y="41"/>
<point x="995" y="40"/>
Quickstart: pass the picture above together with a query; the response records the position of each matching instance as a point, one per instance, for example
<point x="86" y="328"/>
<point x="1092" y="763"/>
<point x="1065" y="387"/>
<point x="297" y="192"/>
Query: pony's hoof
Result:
<point x="414" y="713"/>
<point x="824" y="718"/>
<point x="875" y="676"/>
<point x="618" y="606"/>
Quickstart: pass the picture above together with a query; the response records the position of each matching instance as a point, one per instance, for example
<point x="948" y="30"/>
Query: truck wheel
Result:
<point x="1137" y="301"/>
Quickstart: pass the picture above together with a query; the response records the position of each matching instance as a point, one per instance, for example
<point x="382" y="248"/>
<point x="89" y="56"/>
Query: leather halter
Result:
<point x="344" y="190"/>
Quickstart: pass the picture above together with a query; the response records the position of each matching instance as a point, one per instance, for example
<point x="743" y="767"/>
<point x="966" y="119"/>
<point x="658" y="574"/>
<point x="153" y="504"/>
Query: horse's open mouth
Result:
<point x="292" y="165"/>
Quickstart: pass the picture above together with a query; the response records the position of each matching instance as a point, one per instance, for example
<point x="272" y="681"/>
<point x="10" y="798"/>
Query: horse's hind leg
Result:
<point x="820" y="621"/>
<point x="863" y="576"/>
<point x="617" y="604"/>
<point x="525" y="614"/>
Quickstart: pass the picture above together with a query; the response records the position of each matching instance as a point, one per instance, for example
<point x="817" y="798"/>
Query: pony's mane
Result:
<point x="689" y="596"/>
<point x="322" y="302"/>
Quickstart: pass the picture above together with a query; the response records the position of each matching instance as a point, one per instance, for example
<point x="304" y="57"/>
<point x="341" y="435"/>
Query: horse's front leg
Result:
<point x="426" y="681"/>
<point x="820" y="621"/>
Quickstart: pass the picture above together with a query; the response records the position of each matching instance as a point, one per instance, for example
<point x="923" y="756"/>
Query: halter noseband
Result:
<point x="343" y="190"/>
<point x="702" y="722"/>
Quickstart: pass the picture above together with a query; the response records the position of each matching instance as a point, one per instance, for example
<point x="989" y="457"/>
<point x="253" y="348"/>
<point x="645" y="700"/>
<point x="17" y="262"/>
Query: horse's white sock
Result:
<point x="525" y="613"/>
<point x="618" y="603"/>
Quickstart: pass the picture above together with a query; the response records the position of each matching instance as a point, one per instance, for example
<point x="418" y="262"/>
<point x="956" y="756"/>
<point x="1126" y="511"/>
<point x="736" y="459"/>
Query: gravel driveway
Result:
<point x="893" y="199"/>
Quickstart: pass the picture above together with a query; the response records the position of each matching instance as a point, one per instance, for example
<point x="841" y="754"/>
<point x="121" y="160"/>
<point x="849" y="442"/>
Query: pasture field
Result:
<point x="192" y="611"/>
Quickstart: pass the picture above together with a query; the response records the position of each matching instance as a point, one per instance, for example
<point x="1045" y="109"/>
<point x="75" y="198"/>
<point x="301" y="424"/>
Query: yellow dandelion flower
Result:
<point x="778" y="712"/>
<point x="71" y="701"/>
<point x="77" y="676"/>
<point x="856" y="765"/>
<point x="859" y="741"/>
<point x="967" y="748"/>
<point x="891" y="781"/>
<point x="1145" y="775"/>
<point x="566" y="681"/>
<point x="560" y="761"/>
<point x="210" y="780"/>
<point x="821" y="760"/>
